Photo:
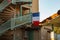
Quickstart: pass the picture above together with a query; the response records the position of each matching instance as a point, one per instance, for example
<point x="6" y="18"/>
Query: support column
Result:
<point x="52" y="35"/>
<point x="35" y="11"/>
<point x="52" y="32"/>
<point x="35" y="19"/>
<point x="35" y="6"/>
<point x="21" y="10"/>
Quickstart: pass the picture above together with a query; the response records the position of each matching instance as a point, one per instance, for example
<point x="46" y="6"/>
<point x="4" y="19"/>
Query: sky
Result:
<point x="48" y="8"/>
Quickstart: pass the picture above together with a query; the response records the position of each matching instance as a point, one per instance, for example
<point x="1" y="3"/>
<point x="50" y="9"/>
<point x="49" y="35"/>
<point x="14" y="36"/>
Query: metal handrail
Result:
<point x="22" y="0"/>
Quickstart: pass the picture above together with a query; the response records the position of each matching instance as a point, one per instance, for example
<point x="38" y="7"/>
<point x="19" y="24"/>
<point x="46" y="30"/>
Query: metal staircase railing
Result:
<point x="21" y="0"/>
<point x="15" y="22"/>
<point x="4" y="4"/>
<point x="5" y="26"/>
<point x="14" y="1"/>
<point x="21" y="20"/>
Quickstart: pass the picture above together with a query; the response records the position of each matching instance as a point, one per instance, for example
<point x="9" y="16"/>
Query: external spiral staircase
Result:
<point x="8" y="19"/>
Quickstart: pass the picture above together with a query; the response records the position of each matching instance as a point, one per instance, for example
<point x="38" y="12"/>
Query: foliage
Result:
<point x="57" y="30"/>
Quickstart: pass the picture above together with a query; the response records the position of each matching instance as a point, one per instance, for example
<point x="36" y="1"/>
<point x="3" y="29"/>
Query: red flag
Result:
<point x="9" y="0"/>
<point x="35" y="23"/>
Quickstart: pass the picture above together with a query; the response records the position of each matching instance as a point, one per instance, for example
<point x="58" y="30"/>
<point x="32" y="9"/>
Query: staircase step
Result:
<point x="6" y="14"/>
<point x="1" y="21"/>
<point x="5" y="17"/>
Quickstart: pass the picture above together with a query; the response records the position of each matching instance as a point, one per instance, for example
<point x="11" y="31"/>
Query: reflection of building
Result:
<point x="54" y="22"/>
<point x="55" y="15"/>
<point x="50" y="18"/>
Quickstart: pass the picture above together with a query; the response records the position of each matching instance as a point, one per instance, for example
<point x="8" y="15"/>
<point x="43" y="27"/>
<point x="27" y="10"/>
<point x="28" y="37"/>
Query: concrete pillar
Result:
<point x="37" y="35"/>
<point x="52" y="35"/>
<point x="35" y="6"/>
<point x="35" y="9"/>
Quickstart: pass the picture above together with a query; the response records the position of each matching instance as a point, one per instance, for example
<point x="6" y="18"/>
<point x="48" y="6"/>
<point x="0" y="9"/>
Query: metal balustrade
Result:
<point x="15" y="22"/>
<point x="21" y="0"/>
<point x="21" y="20"/>
<point x="5" y="26"/>
<point x="4" y="4"/>
<point x="14" y="1"/>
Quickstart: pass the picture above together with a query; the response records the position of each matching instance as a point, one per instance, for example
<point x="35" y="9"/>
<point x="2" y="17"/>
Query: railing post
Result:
<point x="52" y="33"/>
<point x="13" y="21"/>
<point x="21" y="12"/>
